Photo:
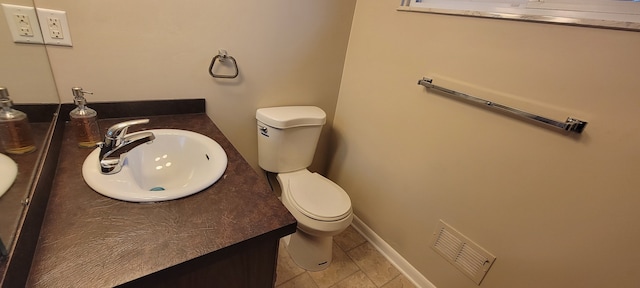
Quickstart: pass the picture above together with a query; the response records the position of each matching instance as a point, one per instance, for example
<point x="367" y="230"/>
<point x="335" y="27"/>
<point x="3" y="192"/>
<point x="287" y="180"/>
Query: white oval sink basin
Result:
<point x="178" y="163"/>
<point x="8" y="172"/>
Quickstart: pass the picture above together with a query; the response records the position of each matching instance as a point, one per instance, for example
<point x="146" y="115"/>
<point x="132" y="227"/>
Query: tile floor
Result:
<point x="356" y="263"/>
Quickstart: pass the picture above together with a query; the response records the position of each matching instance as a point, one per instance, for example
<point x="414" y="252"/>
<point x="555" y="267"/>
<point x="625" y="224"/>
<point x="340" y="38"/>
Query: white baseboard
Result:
<point x="387" y="251"/>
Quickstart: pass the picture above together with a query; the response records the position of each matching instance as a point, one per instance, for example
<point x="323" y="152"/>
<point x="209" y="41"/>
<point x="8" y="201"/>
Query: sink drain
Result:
<point x="156" y="189"/>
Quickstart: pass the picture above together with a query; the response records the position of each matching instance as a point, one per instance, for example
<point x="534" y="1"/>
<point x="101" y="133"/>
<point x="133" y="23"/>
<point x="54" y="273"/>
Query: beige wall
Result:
<point x="24" y="68"/>
<point x="557" y="211"/>
<point x="289" y="53"/>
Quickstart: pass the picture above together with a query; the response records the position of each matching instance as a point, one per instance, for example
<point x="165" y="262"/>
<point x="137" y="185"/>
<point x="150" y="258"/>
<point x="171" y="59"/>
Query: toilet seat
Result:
<point x="318" y="198"/>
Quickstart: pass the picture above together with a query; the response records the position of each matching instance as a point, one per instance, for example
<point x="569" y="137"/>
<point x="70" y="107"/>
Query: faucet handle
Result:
<point x="119" y="130"/>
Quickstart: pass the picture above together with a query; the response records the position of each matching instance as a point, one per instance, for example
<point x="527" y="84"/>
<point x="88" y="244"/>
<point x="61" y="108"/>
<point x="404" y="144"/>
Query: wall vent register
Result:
<point x="471" y="259"/>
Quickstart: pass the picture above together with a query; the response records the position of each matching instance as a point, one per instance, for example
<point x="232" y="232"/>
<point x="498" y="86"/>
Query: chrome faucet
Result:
<point x="117" y="143"/>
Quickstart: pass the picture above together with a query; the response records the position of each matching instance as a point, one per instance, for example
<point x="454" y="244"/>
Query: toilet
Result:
<point x="287" y="139"/>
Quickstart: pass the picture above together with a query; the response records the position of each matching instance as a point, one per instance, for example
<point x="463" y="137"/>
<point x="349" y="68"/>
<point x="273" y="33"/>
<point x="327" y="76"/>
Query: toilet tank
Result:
<point x="288" y="136"/>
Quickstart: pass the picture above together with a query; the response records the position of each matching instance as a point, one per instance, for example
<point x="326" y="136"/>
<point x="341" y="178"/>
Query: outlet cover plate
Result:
<point x="29" y="30"/>
<point x="55" y="27"/>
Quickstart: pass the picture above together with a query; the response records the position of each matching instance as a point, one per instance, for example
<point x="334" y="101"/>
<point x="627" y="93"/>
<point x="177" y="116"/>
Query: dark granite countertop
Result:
<point x="89" y="240"/>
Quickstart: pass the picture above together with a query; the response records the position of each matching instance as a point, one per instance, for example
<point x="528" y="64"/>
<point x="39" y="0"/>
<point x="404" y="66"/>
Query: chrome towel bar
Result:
<point x="571" y="125"/>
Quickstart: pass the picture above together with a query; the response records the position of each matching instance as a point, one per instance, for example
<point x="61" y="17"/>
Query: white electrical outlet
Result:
<point x="55" y="31"/>
<point x="55" y="28"/>
<point x="23" y="23"/>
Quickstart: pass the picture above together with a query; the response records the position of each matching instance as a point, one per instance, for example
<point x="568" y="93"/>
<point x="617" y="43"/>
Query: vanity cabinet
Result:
<point x="247" y="265"/>
<point x="224" y="236"/>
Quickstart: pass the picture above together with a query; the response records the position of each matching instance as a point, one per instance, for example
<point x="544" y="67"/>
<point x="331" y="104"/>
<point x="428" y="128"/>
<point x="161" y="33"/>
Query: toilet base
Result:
<point x="309" y="252"/>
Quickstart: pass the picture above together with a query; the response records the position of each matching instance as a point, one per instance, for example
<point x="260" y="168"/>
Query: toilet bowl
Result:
<point x="287" y="139"/>
<point x="322" y="210"/>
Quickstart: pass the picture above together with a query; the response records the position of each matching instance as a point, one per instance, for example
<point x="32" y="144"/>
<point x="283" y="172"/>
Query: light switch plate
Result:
<point x="23" y="23"/>
<point x="55" y="27"/>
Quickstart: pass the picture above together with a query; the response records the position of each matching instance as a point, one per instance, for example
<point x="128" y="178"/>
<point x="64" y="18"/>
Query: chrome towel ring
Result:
<point x="222" y="57"/>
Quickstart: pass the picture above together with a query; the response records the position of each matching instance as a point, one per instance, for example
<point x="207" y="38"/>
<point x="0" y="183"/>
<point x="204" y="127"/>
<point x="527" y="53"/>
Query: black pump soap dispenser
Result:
<point x="15" y="130"/>
<point x="84" y="121"/>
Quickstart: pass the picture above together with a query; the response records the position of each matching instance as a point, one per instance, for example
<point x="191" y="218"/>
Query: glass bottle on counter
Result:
<point x="84" y="121"/>
<point x="15" y="130"/>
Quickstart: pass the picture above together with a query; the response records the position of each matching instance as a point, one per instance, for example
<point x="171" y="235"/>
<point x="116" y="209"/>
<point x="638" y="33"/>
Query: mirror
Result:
<point x="26" y="73"/>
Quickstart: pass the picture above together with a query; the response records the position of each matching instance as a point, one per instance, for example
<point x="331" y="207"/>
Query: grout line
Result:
<point x="381" y="247"/>
<point x="345" y="278"/>
<point x="392" y="255"/>
<point x="312" y="280"/>
<point x="365" y="272"/>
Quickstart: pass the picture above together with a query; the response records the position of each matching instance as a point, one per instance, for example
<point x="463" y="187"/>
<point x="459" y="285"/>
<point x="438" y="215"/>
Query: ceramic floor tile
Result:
<point x="340" y="268"/>
<point x="349" y="239"/>
<point x="286" y="269"/>
<point x="372" y="263"/>
<point x="356" y="263"/>
<point x="301" y="281"/>
<point x="356" y="280"/>
<point x="399" y="282"/>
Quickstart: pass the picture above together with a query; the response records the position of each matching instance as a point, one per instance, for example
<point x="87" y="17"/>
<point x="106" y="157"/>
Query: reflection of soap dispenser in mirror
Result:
<point x="15" y="131"/>
<point x="84" y="121"/>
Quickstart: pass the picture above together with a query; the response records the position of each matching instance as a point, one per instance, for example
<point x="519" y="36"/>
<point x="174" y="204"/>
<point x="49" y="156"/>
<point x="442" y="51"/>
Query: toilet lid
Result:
<point x="319" y="198"/>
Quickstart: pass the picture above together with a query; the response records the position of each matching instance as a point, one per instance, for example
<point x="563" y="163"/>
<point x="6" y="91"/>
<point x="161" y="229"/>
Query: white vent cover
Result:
<point x="460" y="251"/>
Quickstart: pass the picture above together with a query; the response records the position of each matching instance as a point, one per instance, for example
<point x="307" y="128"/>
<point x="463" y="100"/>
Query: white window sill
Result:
<point x="577" y="21"/>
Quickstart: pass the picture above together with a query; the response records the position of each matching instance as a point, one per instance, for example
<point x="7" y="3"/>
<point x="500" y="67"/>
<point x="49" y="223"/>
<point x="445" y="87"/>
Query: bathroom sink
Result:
<point x="9" y="171"/>
<point x="178" y="163"/>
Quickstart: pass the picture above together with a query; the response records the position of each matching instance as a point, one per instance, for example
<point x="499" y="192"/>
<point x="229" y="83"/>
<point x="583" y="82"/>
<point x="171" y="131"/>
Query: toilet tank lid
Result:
<point x="291" y="116"/>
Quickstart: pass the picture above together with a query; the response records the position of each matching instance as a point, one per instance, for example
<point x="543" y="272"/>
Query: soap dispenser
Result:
<point x="84" y="121"/>
<point x="15" y="131"/>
